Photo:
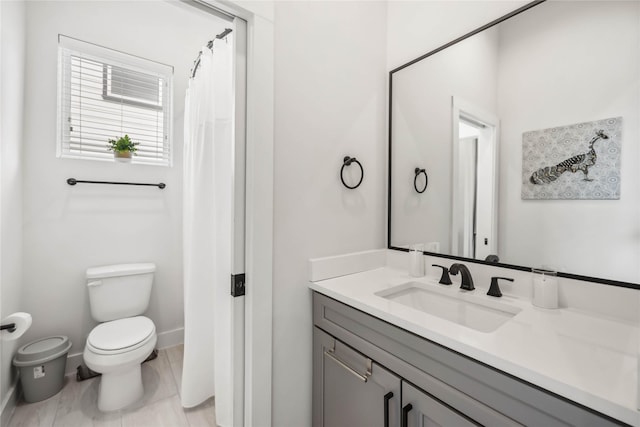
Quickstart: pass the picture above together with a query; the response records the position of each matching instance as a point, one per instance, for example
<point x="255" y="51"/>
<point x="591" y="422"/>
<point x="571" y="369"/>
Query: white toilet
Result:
<point x="118" y="295"/>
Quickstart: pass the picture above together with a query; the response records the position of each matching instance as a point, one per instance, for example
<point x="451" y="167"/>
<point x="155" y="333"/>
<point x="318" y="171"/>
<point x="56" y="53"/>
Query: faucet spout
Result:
<point x="467" y="280"/>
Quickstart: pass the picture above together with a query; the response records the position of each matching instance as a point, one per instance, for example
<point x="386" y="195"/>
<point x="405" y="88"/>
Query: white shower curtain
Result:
<point x="208" y="160"/>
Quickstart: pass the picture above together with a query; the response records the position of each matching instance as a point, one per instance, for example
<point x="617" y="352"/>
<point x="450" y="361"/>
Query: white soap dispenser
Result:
<point x="545" y="288"/>
<point x="416" y="260"/>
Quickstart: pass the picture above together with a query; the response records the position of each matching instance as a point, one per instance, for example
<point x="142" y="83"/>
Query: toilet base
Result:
<point x="120" y="389"/>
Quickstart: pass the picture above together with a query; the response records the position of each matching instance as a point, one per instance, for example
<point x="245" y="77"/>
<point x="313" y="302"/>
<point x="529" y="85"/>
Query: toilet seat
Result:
<point x="121" y="336"/>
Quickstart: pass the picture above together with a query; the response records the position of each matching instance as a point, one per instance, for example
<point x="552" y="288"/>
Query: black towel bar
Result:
<point x="73" y="181"/>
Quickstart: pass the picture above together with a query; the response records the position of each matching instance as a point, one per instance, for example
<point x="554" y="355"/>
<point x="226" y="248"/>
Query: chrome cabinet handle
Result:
<point x="331" y="355"/>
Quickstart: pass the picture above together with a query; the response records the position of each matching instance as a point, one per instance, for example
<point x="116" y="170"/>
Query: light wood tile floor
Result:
<point x="76" y="404"/>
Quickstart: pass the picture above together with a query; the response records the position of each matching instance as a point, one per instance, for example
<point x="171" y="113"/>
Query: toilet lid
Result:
<point x="121" y="333"/>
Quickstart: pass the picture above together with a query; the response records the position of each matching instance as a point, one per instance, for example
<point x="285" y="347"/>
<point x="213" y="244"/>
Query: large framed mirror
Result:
<point x="526" y="135"/>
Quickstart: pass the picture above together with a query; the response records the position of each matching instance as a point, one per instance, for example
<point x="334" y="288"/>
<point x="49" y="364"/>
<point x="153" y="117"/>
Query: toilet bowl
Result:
<point x="117" y="347"/>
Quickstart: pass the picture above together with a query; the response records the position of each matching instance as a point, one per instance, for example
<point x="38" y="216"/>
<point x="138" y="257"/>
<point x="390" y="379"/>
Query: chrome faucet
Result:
<point x="467" y="280"/>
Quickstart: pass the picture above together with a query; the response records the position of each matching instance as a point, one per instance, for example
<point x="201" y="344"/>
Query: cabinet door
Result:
<point x="420" y="409"/>
<point x="353" y="391"/>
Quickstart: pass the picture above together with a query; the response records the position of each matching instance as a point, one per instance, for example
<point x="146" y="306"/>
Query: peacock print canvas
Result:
<point x="579" y="161"/>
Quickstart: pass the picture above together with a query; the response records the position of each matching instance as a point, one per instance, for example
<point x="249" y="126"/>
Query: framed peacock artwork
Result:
<point x="579" y="161"/>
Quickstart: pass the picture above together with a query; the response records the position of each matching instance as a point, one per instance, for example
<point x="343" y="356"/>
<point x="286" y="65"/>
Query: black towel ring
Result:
<point x="346" y="162"/>
<point x="418" y="171"/>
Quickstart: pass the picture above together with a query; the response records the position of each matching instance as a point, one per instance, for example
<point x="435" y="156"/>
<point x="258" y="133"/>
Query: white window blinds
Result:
<point x="105" y="94"/>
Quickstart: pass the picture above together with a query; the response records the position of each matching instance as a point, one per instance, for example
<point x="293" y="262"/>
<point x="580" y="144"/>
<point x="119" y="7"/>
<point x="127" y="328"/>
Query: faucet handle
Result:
<point x="494" y="289"/>
<point x="445" y="279"/>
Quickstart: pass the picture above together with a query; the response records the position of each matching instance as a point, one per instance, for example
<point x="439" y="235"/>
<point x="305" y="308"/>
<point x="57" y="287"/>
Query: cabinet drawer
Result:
<point x="420" y="409"/>
<point x="351" y="390"/>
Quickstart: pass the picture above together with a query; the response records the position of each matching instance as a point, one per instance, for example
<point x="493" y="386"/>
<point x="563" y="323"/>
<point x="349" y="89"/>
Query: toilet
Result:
<point x="118" y="296"/>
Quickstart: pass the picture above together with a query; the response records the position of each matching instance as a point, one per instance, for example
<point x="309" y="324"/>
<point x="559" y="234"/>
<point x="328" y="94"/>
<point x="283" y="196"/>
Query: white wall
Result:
<point x="12" y="63"/>
<point x="330" y="102"/>
<point x="67" y="229"/>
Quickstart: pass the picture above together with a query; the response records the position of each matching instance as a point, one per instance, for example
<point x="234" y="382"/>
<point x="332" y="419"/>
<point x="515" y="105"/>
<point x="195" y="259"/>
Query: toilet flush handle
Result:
<point x="95" y="283"/>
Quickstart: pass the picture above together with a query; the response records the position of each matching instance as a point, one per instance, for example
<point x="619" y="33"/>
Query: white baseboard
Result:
<point x="9" y="404"/>
<point x="170" y="338"/>
<point x="165" y="340"/>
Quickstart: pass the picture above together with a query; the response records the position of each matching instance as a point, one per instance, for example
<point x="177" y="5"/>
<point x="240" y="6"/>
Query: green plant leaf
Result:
<point x="122" y="144"/>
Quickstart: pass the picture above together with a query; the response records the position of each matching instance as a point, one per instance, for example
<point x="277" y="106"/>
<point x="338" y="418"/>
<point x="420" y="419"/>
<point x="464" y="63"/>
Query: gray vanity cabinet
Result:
<point x="353" y="390"/>
<point x="443" y="387"/>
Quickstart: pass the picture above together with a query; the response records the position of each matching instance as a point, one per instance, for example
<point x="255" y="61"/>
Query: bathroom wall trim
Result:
<point x="9" y="404"/>
<point x="258" y="337"/>
<point x="170" y="338"/>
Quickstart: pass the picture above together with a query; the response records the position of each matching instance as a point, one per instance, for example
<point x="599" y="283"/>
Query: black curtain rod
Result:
<point x="196" y="63"/>
<point x="222" y="35"/>
<point x="73" y="181"/>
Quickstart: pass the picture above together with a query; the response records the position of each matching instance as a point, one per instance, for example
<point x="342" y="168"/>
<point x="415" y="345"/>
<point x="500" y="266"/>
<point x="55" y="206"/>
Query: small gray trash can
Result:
<point x="42" y="364"/>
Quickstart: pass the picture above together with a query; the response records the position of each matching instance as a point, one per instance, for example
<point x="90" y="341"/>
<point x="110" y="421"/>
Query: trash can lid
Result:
<point x="42" y="350"/>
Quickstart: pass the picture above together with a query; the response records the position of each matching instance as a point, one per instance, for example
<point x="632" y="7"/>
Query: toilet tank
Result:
<point x="118" y="291"/>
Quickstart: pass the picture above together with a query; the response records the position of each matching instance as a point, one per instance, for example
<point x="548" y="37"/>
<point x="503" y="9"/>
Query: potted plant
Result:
<point x="123" y="148"/>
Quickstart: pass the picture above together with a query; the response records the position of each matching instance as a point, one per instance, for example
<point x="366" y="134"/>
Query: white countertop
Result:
<point x="588" y="358"/>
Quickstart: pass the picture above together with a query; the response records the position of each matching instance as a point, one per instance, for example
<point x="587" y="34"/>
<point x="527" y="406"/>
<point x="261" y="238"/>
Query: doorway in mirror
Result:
<point x="475" y="191"/>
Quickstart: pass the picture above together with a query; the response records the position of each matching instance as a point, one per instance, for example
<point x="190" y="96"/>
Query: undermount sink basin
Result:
<point x="461" y="307"/>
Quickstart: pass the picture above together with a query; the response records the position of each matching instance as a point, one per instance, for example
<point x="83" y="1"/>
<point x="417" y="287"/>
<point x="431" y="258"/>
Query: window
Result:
<point x="105" y="94"/>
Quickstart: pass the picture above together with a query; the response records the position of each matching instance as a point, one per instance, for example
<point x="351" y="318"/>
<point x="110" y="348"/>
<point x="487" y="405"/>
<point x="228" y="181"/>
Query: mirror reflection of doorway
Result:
<point x="475" y="188"/>
<point x="469" y="193"/>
